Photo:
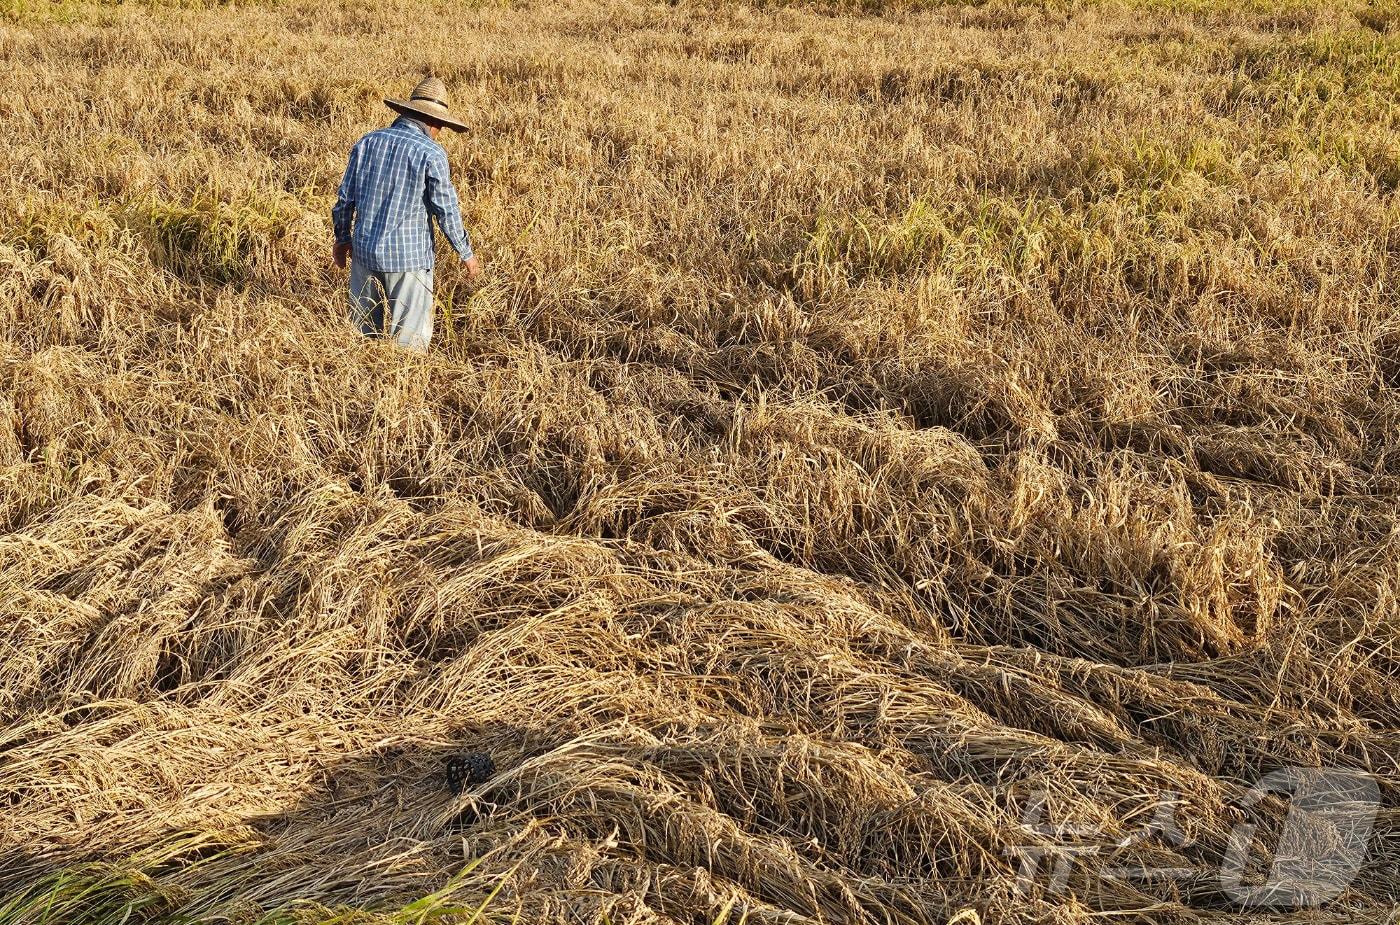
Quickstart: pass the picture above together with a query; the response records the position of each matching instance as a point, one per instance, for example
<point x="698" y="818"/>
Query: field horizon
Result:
<point x="889" y="442"/>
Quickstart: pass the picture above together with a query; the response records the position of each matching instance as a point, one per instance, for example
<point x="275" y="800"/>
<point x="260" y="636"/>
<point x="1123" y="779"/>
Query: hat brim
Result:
<point x="410" y="108"/>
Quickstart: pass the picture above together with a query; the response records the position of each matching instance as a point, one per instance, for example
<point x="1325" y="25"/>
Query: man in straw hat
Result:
<point x="397" y="179"/>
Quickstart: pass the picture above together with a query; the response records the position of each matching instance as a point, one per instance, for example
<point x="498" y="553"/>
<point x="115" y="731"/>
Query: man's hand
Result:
<point x="473" y="267"/>
<point x="340" y="254"/>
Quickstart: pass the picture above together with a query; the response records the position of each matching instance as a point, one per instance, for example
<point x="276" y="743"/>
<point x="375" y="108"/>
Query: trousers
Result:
<point x="395" y="305"/>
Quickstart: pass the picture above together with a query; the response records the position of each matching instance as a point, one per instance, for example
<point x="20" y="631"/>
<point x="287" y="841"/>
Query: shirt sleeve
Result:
<point x="344" y="210"/>
<point x="443" y="204"/>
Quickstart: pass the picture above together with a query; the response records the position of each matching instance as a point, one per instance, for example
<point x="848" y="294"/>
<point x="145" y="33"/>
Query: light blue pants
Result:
<point x="403" y="300"/>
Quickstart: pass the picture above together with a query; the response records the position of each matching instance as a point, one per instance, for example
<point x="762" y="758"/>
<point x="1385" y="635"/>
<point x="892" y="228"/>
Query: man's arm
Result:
<point x="344" y="211"/>
<point x="446" y="209"/>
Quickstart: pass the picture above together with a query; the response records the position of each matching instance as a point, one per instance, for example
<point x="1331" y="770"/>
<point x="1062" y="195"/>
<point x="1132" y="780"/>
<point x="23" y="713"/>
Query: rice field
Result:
<point x="890" y="441"/>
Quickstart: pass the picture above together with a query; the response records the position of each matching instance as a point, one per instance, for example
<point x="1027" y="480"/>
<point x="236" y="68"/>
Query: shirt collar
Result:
<point x="409" y="121"/>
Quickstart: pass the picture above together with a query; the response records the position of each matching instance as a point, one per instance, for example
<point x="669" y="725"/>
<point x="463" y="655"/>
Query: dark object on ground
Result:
<point x="468" y="769"/>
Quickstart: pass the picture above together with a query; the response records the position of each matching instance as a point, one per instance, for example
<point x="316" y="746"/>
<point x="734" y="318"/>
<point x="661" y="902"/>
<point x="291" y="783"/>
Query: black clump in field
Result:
<point x="465" y="770"/>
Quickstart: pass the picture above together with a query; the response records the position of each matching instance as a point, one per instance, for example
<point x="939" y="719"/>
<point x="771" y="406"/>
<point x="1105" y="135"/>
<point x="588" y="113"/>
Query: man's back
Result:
<point x="396" y="178"/>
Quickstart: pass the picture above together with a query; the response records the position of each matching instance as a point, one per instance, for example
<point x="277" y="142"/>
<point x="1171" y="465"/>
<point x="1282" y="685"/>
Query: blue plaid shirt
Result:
<point x="396" y="178"/>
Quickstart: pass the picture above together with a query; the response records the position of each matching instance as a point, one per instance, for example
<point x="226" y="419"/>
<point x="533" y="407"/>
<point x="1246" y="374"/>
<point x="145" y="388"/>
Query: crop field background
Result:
<point x="874" y="418"/>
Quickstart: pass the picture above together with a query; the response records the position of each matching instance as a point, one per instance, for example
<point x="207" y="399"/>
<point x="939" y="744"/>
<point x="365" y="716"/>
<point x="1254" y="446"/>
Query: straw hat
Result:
<point x="428" y="99"/>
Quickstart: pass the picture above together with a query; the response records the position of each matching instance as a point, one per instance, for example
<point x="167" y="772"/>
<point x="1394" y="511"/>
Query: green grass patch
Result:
<point x="212" y="239"/>
<point x="73" y="11"/>
<point x="35" y="223"/>
<point x="172" y="891"/>
<point x="1133" y="214"/>
<point x="42" y="11"/>
<point x="208" y="238"/>
<point x="1299" y="77"/>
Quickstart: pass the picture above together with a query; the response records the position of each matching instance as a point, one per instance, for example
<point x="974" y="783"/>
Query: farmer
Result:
<point x="398" y="177"/>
